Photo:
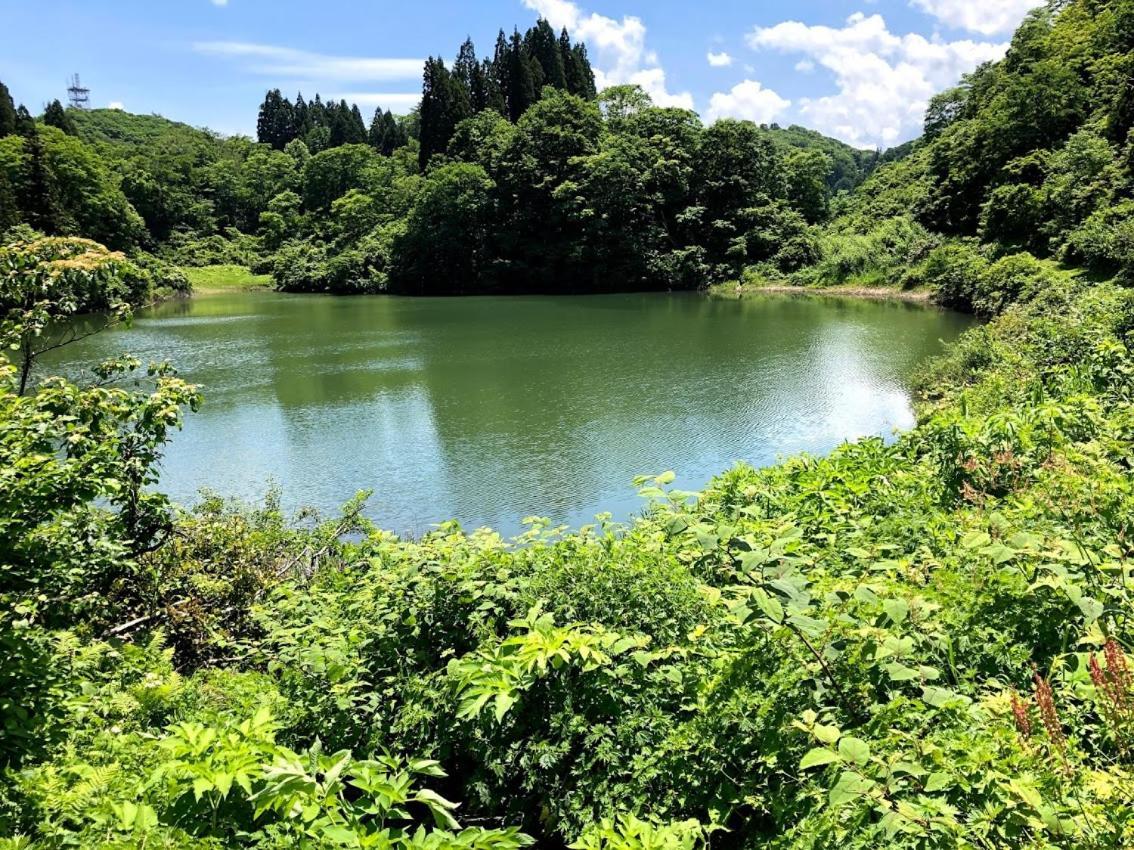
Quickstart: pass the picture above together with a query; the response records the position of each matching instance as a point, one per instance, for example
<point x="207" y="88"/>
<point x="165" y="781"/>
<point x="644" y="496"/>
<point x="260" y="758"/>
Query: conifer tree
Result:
<point x="56" y="116"/>
<point x="471" y="74"/>
<point x="498" y="73"/>
<point x="583" y="73"/>
<point x="521" y="90"/>
<point x="9" y="208"/>
<point x="275" y="125"/>
<point x="36" y="191"/>
<point x="493" y="92"/>
<point x="543" y="47"/>
<point x="356" y="128"/>
<point x="376" y="136"/>
<point x="316" y="113"/>
<point x="301" y="120"/>
<point x="393" y="134"/>
<point x="444" y="104"/>
<point x="7" y="112"/>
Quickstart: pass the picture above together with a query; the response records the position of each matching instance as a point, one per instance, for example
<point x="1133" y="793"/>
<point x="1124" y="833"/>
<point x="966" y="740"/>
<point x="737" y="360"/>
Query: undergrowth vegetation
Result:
<point x="918" y="644"/>
<point x="923" y="643"/>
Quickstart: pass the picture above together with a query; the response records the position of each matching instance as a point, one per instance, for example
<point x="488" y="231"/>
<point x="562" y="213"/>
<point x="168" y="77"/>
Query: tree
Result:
<point x="394" y="133"/>
<point x="56" y="116"/>
<point x="49" y="280"/>
<point x="36" y="188"/>
<point x="618" y="103"/>
<point x="8" y="124"/>
<point x="498" y="74"/>
<point x="300" y="117"/>
<point x="275" y="125"/>
<point x="444" y="104"/>
<point x="580" y="75"/>
<point x="520" y="89"/>
<point x="332" y="173"/>
<point x="807" y="192"/>
<point x="542" y="45"/>
<point x="377" y="130"/>
<point x="444" y="246"/>
<point x="356" y="134"/>
<point x="472" y="76"/>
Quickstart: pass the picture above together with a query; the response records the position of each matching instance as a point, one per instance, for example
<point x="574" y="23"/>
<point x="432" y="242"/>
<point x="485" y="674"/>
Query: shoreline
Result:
<point x="871" y="293"/>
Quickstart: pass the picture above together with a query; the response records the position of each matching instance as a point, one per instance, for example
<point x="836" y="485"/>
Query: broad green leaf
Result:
<point x="900" y="672"/>
<point x="850" y="786"/>
<point x="816" y="757"/>
<point x="826" y="734"/>
<point x="937" y="782"/>
<point x="854" y="750"/>
<point x="897" y="610"/>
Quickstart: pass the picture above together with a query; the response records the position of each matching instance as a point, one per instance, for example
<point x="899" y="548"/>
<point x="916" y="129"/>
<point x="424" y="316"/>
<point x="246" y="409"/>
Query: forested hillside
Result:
<point x="917" y="644"/>
<point x="1026" y="158"/>
<point x="537" y="183"/>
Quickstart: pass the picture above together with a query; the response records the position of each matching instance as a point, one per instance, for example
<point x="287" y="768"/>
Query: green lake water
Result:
<point x="488" y="410"/>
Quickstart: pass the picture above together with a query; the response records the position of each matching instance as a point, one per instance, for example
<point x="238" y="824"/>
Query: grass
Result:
<point x="845" y="290"/>
<point x="225" y="278"/>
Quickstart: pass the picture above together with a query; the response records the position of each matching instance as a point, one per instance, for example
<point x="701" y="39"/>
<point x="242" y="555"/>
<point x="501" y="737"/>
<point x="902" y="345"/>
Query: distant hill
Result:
<point x="850" y="165"/>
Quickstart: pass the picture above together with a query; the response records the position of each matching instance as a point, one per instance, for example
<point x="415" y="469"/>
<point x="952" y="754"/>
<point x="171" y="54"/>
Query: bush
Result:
<point x="231" y="248"/>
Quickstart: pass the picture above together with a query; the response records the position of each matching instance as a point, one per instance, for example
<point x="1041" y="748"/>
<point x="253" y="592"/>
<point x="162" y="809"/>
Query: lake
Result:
<point x="491" y="409"/>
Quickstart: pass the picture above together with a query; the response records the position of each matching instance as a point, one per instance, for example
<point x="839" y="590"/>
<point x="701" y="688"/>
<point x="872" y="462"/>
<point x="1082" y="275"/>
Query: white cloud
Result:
<point x="116" y="104"/>
<point x="988" y="17"/>
<point x="220" y="2"/>
<point x="719" y="60"/>
<point x="618" y="49"/>
<point x="884" y="80"/>
<point x="748" y="100"/>
<point x="270" y="60"/>
<point x="805" y="66"/>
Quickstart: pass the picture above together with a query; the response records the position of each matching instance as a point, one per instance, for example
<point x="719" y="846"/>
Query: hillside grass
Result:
<point x="226" y="277"/>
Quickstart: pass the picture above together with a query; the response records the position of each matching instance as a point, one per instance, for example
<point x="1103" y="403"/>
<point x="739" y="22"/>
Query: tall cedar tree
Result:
<point x="444" y="104"/>
<point x="376" y="134"/>
<point x="577" y="68"/>
<point x="275" y="124"/>
<point x="543" y="47"/>
<point x="472" y="76"/>
<point x="498" y="72"/>
<point x="9" y="208"/>
<point x="357" y="127"/>
<point x="394" y="134"/>
<point x="8" y="124"/>
<point x="520" y="91"/>
<point x="37" y="193"/>
<point x="56" y="116"/>
<point x="301" y="120"/>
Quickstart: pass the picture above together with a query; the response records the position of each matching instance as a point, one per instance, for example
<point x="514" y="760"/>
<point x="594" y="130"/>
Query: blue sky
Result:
<point x="860" y="70"/>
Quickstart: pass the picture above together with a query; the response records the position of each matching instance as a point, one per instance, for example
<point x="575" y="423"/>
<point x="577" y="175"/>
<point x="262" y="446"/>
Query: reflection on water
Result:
<point x="490" y="409"/>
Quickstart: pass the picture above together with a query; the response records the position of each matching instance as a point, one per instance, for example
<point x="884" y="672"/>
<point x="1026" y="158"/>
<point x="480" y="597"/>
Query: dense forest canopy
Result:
<point x="920" y="644"/>
<point x="539" y="183"/>
<point x="1027" y="158"/>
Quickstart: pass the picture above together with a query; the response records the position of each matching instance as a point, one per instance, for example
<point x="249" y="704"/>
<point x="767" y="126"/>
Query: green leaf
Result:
<point x="897" y="610"/>
<point x="854" y="750"/>
<point x="1092" y="609"/>
<point x="938" y="697"/>
<point x="975" y="540"/>
<point x="850" y="786"/>
<point x="816" y="757"/>
<point x="826" y="734"/>
<point x="769" y="606"/>
<point x="201" y="787"/>
<point x="900" y="672"/>
<point x="937" y="782"/>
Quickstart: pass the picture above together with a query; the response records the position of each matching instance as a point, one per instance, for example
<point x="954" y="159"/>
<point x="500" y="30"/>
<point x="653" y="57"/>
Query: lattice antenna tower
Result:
<point x="80" y="97"/>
